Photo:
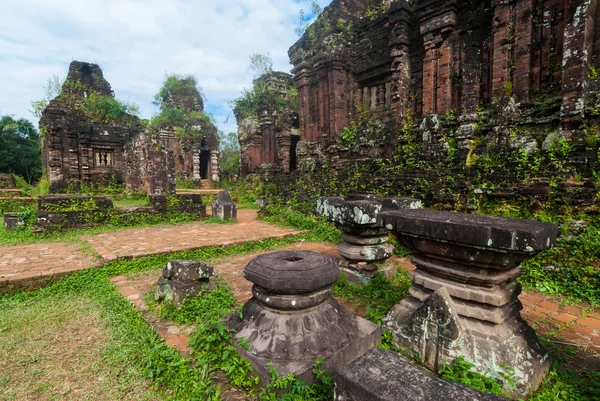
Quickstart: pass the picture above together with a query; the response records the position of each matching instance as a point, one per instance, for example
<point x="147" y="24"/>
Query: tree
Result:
<point x="230" y="155"/>
<point x="51" y="90"/>
<point x="303" y="20"/>
<point x="20" y="148"/>
<point x="261" y="64"/>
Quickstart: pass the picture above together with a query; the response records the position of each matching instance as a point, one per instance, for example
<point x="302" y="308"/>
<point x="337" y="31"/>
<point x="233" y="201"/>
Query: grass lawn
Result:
<point x="62" y="348"/>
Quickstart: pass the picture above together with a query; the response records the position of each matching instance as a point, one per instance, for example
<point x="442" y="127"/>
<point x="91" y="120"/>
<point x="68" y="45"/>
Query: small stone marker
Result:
<point x="181" y="279"/>
<point x="383" y="375"/>
<point x="463" y="300"/>
<point x="13" y="221"/>
<point x="223" y="206"/>
<point x="364" y="242"/>
<point x="292" y="320"/>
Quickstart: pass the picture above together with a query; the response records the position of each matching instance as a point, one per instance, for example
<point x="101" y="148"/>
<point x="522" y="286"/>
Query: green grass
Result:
<point x="62" y="347"/>
<point x="131" y="202"/>
<point x="139" y="348"/>
<point x="378" y="296"/>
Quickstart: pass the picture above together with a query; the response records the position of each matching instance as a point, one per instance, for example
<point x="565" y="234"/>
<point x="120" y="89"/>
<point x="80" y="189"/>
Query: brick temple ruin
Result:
<point x="439" y="56"/>
<point x="455" y="80"/>
<point x="196" y="158"/>
<point x="269" y="136"/>
<point x="78" y="147"/>
<point x="82" y="146"/>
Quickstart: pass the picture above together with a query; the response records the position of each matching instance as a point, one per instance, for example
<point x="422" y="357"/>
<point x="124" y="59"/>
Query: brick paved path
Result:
<point x="36" y="263"/>
<point x="32" y="265"/>
<point x="146" y="241"/>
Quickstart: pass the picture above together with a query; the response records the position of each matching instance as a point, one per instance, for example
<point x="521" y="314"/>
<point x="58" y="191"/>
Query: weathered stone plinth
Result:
<point x="223" y="206"/>
<point x="13" y="221"/>
<point x="382" y="375"/>
<point x="72" y="211"/>
<point x="364" y="242"/>
<point x="464" y="295"/>
<point x="292" y="320"/>
<point x="181" y="279"/>
<point x="184" y="203"/>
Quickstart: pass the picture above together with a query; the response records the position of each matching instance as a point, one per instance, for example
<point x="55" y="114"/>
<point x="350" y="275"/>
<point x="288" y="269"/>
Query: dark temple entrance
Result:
<point x="204" y="160"/>
<point x="293" y="156"/>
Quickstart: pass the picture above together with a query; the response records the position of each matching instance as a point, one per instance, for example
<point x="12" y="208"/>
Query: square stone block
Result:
<point x="383" y="375"/>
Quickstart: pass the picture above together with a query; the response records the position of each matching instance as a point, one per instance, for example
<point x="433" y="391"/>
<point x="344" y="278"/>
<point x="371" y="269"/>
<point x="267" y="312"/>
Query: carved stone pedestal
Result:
<point x="292" y="320"/>
<point x="364" y="242"/>
<point x="464" y="295"/>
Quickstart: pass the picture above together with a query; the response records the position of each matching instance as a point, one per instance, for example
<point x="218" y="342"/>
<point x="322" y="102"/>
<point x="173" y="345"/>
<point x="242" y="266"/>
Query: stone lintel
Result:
<point x="488" y="232"/>
<point x="383" y="375"/>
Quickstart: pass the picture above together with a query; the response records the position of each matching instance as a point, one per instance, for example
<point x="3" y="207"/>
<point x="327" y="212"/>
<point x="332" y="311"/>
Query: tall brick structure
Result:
<point x="268" y="134"/>
<point x="402" y="60"/>
<point x="196" y="157"/>
<point x="86" y="142"/>
<point x="78" y="147"/>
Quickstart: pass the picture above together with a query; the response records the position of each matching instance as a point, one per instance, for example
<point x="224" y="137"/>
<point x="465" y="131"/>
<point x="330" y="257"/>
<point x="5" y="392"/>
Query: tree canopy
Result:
<point x="230" y="155"/>
<point x="20" y="148"/>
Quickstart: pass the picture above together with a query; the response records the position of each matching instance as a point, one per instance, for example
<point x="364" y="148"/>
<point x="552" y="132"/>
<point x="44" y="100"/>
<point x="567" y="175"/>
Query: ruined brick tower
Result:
<point x="82" y="143"/>
<point x="268" y="131"/>
<point x="414" y="59"/>
<point x="197" y="155"/>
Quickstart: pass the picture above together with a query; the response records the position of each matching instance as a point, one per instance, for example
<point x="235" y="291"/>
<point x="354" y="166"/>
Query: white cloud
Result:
<point x="137" y="41"/>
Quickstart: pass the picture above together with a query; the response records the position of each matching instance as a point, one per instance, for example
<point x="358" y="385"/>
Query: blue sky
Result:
<point x="136" y="42"/>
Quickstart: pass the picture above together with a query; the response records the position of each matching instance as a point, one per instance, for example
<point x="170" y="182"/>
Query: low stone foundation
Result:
<point x="63" y="212"/>
<point x="184" y="203"/>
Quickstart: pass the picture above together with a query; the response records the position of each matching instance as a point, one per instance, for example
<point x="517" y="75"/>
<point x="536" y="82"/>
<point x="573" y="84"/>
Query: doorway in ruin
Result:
<point x="293" y="156"/>
<point x="204" y="162"/>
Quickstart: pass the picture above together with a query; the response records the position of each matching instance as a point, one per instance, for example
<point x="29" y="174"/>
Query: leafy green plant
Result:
<point x="378" y="295"/>
<point x="107" y="109"/>
<point x="177" y="83"/>
<point x="296" y="390"/>
<point x="461" y="371"/>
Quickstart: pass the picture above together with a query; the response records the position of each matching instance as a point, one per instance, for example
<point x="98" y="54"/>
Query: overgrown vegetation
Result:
<point x="97" y="107"/>
<point x="178" y="83"/>
<point x="377" y="297"/>
<point x="276" y="99"/>
<point x="143" y="351"/>
<point x="189" y="123"/>
<point x="230" y="157"/>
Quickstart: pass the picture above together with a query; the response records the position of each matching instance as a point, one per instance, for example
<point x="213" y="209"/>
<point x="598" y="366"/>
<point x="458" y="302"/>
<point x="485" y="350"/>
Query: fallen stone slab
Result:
<point x="383" y="375"/>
